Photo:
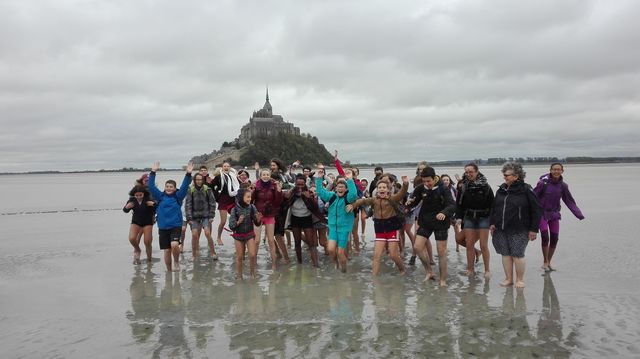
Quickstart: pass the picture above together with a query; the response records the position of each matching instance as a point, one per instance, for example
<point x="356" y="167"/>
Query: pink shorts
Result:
<point x="268" y="220"/>
<point x="388" y="236"/>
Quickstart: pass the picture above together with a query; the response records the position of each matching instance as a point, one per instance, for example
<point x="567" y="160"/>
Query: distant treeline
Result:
<point x="501" y="160"/>
<point x="488" y="161"/>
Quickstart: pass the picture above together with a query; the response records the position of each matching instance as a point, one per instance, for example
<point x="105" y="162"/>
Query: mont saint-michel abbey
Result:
<point x="264" y="122"/>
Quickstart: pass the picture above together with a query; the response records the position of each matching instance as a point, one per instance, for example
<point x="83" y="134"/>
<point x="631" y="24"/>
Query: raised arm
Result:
<point x="338" y="164"/>
<point x="403" y="191"/>
<point x="322" y="192"/>
<point x="155" y="192"/>
<point x="184" y="187"/>
<point x="352" y="194"/>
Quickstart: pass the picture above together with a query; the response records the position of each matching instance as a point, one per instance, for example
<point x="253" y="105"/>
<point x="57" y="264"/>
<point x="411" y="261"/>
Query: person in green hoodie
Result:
<point x="339" y="220"/>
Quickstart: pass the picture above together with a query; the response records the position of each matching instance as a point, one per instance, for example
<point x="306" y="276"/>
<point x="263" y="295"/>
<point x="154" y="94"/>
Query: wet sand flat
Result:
<point x="68" y="289"/>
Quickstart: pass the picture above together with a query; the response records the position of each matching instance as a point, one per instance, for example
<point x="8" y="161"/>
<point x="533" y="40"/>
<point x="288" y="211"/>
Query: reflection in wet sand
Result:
<point x="305" y="312"/>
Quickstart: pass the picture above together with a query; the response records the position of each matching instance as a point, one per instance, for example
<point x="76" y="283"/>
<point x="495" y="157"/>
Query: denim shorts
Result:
<point x="476" y="223"/>
<point x="198" y="224"/>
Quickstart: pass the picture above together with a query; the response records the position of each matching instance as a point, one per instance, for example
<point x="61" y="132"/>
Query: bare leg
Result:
<point x="167" y="258"/>
<point x="442" y="261"/>
<point x="332" y="245"/>
<point x="420" y="248"/>
<point x="175" y="250"/>
<point x="342" y="260"/>
<point x="356" y="238"/>
<point x="401" y="239"/>
<point x="207" y="234"/>
<point x="288" y="235"/>
<point x="297" y="240"/>
<point x="183" y="236"/>
<point x="378" y="249"/>
<point x="280" y="247"/>
<point x="507" y="264"/>
<point x="195" y="242"/>
<point x="270" y="228"/>
<point x="408" y="229"/>
<point x="395" y="256"/>
<point x="258" y="232"/>
<point x="312" y="243"/>
<point x="148" y="241"/>
<point x="520" y="265"/>
<point x="322" y="238"/>
<point x="240" y="247"/>
<point x="253" y="256"/>
<point x="134" y="239"/>
<point x="363" y="220"/>
<point x="471" y="236"/>
<point x="223" y="221"/>
<point x="486" y="255"/>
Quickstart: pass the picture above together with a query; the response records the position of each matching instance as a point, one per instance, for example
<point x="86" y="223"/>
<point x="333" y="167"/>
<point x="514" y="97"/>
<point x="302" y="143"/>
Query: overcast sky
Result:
<point x="111" y="84"/>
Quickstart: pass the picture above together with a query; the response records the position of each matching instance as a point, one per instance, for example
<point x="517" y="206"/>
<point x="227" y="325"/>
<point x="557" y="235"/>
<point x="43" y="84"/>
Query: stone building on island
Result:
<point x="264" y="123"/>
<point x="261" y="123"/>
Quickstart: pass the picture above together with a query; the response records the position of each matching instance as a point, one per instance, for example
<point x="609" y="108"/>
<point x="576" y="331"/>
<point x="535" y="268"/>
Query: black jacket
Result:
<point x="434" y="201"/>
<point x="516" y="208"/>
<point x="476" y="195"/>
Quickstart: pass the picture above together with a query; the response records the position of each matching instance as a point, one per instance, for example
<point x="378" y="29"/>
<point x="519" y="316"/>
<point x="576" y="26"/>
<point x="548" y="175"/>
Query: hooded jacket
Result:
<point x="339" y="220"/>
<point x="549" y="192"/>
<point x="475" y="196"/>
<point x="244" y="230"/>
<point x="516" y="208"/>
<point x="200" y="203"/>
<point x="169" y="209"/>
<point x="266" y="198"/>
<point x="433" y="201"/>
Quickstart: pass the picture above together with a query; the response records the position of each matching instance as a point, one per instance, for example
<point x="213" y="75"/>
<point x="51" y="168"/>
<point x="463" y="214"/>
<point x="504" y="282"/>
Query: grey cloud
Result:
<point x="121" y="83"/>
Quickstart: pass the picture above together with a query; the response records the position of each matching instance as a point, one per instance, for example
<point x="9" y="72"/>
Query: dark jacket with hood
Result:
<point x="435" y="200"/>
<point x="474" y="197"/>
<point x="516" y="208"/>
<point x="244" y="230"/>
<point x="200" y="203"/>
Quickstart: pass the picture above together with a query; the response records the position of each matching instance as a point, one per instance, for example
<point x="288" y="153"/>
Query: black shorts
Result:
<point x="440" y="234"/>
<point x="169" y="235"/>
<point x="301" y="222"/>
<point x="143" y="223"/>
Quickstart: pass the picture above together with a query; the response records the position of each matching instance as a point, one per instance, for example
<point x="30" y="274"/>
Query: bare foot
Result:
<point x="429" y="276"/>
<point x="519" y="284"/>
<point x="545" y="267"/>
<point x="470" y="273"/>
<point x="274" y="267"/>
<point x="220" y="242"/>
<point x="403" y="272"/>
<point x="443" y="283"/>
<point x="551" y="269"/>
<point x="487" y="275"/>
<point x="506" y="283"/>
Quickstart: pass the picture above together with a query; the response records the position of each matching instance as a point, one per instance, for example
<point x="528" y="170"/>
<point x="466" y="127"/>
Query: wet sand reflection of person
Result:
<point x="550" y="323"/>
<point x="343" y="335"/>
<point x="171" y="341"/>
<point x="476" y="319"/>
<point x="389" y="299"/>
<point x="144" y="305"/>
<point x="200" y="309"/>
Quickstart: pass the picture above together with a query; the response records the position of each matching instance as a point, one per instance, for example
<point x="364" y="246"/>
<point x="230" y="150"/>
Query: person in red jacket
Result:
<point x="267" y="198"/>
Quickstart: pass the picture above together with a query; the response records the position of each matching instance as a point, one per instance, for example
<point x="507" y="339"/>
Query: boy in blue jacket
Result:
<point x="169" y="214"/>
<point x="340" y="221"/>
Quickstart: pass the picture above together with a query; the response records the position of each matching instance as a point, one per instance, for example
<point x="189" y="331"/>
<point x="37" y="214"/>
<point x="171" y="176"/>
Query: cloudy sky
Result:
<point x="109" y="84"/>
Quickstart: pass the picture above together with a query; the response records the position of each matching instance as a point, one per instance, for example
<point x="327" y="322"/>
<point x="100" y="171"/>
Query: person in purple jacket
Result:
<point x="550" y="189"/>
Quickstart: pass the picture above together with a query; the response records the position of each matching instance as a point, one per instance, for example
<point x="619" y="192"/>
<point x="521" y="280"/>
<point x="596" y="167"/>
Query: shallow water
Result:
<point x="68" y="289"/>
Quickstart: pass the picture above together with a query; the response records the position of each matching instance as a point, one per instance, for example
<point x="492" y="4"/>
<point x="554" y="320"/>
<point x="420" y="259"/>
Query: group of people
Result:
<point x="320" y="209"/>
